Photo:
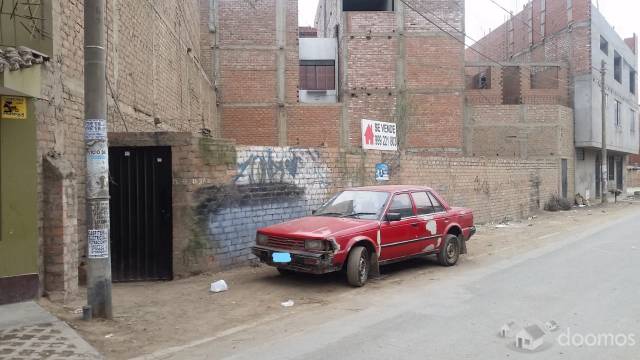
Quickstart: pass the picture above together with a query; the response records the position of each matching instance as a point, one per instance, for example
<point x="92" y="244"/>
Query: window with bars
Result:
<point x="611" y="168"/>
<point x="617" y="66"/>
<point x="317" y="75"/>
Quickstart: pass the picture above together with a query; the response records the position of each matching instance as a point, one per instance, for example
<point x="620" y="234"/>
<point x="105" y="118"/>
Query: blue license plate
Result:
<point x="281" y="258"/>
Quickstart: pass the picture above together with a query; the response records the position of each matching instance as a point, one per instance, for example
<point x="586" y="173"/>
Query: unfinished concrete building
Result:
<point x="575" y="33"/>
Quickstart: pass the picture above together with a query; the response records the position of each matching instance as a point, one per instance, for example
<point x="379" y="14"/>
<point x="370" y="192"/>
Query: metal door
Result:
<point x="598" y="172"/>
<point x="619" y="174"/>
<point x="141" y="230"/>
<point x="565" y="178"/>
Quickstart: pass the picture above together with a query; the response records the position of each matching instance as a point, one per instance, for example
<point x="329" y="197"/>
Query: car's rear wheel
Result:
<point x="358" y="266"/>
<point x="450" y="252"/>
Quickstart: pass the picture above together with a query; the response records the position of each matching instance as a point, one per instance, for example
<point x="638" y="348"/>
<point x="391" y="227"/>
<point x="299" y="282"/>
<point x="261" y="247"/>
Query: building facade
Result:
<point x="223" y="119"/>
<point x="576" y="34"/>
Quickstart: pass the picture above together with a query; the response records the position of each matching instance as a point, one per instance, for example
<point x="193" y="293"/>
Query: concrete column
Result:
<point x="281" y="81"/>
<point x="402" y="99"/>
<point x="215" y="47"/>
<point x="343" y="49"/>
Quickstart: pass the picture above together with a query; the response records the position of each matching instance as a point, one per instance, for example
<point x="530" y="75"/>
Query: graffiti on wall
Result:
<point x="262" y="165"/>
<point x="271" y="185"/>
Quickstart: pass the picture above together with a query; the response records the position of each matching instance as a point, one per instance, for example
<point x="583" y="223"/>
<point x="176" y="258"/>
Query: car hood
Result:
<point x="318" y="227"/>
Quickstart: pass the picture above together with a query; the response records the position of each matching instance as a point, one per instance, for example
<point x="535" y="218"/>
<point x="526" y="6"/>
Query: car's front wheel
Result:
<point x="450" y="252"/>
<point x="358" y="266"/>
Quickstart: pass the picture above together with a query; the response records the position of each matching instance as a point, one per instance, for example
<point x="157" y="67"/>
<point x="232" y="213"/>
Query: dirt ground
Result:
<point x="154" y="316"/>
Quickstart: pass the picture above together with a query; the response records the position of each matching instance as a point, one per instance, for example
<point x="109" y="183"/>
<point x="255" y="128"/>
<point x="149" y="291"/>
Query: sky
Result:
<point x="622" y="14"/>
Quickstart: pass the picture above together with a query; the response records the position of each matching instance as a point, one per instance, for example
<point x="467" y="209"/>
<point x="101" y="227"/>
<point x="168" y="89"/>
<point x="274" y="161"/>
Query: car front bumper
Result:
<point x="312" y="263"/>
<point x="472" y="231"/>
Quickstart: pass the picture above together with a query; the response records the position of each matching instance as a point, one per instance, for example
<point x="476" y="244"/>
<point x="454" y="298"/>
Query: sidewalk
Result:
<point x="27" y="331"/>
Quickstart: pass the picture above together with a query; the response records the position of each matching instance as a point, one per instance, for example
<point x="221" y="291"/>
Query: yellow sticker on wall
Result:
<point x="14" y="107"/>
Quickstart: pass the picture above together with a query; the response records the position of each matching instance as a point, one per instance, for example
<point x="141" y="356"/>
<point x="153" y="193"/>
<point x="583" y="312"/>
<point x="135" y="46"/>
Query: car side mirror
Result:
<point x="393" y="217"/>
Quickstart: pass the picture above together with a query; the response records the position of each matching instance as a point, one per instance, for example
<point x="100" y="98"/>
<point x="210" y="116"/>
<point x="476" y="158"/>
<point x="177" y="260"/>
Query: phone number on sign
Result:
<point x="385" y="140"/>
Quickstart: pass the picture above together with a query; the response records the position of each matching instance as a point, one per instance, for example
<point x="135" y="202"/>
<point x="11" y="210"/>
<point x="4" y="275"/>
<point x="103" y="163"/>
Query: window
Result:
<point x="604" y="45"/>
<point x="611" y="166"/>
<point x="317" y="75"/>
<point x="367" y="5"/>
<point x="633" y="121"/>
<point x="423" y="204"/>
<point x="633" y="75"/>
<point x="402" y="204"/>
<point x="437" y="206"/>
<point x="363" y="204"/>
<point x="617" y="67"/>
<point x="580" y="154"/>
<point x="618" y="115"/>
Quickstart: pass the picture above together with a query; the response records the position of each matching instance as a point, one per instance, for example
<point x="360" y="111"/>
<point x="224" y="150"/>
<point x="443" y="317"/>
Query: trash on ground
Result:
<point x="108" y="336"/>
<point x="288" y="303"/>
<point x="501" y="226"/>
<point x="219" y="286"/>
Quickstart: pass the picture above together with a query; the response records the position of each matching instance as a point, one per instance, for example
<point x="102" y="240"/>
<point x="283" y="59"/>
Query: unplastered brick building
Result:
<point x="222" y="118"/>
<point x="575" y="34"/>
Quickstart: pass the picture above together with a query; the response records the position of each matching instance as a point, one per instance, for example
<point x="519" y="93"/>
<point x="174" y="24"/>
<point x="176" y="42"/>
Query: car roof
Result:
<point x="391" y="188"/>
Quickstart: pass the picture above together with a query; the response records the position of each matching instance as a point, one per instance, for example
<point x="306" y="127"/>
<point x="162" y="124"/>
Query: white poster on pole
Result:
<point x="378" y="135"/>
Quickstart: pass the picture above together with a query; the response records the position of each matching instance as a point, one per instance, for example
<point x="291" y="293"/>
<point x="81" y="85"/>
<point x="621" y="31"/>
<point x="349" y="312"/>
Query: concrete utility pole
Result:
<point x="603" y="171"/>
<point x="95" y="113"/>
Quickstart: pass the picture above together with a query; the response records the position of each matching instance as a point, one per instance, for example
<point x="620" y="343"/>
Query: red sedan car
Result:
<point x="362" y="228"/>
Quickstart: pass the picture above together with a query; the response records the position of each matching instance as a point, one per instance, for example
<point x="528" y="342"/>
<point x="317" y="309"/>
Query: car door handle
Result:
<point x="414" y="224"/>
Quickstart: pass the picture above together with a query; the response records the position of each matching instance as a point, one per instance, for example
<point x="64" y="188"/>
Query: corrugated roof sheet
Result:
<point x="14" y="59"/>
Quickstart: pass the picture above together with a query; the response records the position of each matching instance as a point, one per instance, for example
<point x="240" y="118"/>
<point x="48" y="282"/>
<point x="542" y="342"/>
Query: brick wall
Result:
<point x="156" y="82"/>
<point x="565" y="38"/>
<point x="633" y="178"/>
<point x="539" y="83"/>
<point x="399" y="68"/>
<point x="223" y="192"/>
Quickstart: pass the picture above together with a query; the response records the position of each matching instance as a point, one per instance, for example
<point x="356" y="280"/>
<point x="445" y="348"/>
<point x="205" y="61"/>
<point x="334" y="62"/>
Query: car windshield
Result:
<point x="355" y="204"/>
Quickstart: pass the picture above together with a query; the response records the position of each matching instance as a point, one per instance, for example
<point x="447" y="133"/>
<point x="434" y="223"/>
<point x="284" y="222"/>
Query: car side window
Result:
<point x="423" y="204"/>
<point x="437" y="206"/>
<point x="402" y="204"/>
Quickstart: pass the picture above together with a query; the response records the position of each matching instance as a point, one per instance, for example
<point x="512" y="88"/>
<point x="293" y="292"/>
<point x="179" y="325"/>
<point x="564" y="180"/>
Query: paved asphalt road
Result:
<point x="589" y="283"/>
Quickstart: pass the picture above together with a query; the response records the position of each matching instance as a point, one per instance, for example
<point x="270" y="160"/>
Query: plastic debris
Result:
<point x="219" y="286"/>
<point x="108" y="336"/>
<point x="288" y="303"/>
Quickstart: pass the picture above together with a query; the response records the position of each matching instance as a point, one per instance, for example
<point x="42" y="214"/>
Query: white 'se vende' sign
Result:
<point x="377" y="135"/>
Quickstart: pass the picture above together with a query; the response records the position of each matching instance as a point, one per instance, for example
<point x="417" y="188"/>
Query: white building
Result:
<point x="530" y="338"/>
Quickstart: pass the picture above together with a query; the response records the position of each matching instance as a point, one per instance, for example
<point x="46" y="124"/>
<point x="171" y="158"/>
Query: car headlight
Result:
<point x="262" y="239"/>
<point x="315" y="245"/>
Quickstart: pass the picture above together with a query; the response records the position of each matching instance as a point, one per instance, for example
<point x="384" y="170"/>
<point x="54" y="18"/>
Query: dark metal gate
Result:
<point x="141" y="240"/>
<point x="565" y="178"/>
<point x="619" y="173"/>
